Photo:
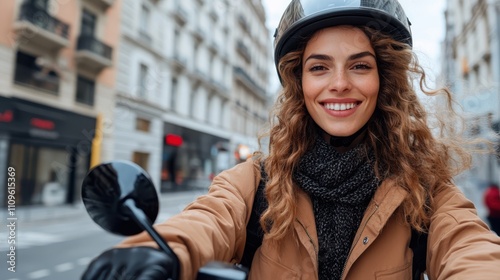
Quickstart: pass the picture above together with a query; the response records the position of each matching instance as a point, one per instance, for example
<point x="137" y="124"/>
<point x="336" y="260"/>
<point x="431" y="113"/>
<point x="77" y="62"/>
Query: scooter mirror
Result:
<point x="109" y="186"/>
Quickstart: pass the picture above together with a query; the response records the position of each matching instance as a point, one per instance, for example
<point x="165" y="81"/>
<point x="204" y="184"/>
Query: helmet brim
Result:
<point x="359" y="16"/>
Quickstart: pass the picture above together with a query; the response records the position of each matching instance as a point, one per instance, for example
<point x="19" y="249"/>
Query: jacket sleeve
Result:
<point x="213" y="227"/>
<point x="460" y="245"/>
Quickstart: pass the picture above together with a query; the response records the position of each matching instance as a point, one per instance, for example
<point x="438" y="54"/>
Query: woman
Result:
<point x="352" y="168"/>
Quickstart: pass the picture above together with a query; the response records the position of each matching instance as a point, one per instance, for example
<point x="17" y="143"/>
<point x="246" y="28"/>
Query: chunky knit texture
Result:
<point x="340" y="186"/>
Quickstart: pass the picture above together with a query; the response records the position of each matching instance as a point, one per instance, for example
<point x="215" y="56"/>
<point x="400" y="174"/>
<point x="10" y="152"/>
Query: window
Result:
<point x="177" y="35"/>
<point x="42" y="4"/>
<point x="143" y="77"/>
<point x="142" y="124"/>
<point x="141" y="159"/>
<point x="85" y="90"/>
<point x="88" y="24"/>
<point x="144" y="22"/>
<point x="173" y="94"/>
<point x="144" y="25"/>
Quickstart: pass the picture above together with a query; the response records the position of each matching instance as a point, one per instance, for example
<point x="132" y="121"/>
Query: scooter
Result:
<point x="120" y="197"/>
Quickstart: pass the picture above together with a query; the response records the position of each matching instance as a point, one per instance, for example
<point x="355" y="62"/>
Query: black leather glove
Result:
<point x="134" y="263"/>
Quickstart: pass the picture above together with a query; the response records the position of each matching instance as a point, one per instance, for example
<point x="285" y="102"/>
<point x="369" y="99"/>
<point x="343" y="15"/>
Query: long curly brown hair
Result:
<point x="399" y="133"/>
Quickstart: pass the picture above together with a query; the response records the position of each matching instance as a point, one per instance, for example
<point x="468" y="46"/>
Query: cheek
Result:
<point x="309" y="88"/>
<point x="373" y="88"/>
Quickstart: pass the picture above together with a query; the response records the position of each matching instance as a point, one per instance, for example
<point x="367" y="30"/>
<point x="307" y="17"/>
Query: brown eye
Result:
<point x="361" y="66"/>
<point x="317" y="68"/>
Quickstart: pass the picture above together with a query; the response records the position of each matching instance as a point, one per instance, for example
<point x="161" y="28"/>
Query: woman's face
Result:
<point x="340" y="79"/>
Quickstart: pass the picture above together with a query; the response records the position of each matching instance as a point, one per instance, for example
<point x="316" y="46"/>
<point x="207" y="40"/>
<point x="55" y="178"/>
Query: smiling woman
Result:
<point x="353" y="171"/>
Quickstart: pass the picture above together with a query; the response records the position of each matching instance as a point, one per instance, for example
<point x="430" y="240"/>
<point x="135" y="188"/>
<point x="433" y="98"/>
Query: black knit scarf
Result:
<point x="340" y="186"/>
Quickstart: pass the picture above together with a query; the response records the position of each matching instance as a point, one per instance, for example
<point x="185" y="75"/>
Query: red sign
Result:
<point x="6" y="116"/>
<point x="173" y="140"/>
<point x="42" y="124"/>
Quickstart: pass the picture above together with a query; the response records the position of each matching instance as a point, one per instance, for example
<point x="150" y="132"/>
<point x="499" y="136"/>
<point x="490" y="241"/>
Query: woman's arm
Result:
<point x="213" y="227"/>
<point x="460" y="245"/>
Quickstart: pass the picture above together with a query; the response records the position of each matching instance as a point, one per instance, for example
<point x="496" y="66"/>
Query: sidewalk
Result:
<point x="33" y="214"/>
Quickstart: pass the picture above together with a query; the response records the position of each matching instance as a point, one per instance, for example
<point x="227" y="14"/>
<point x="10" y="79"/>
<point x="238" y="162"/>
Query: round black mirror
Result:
<point x="108" y="186"/>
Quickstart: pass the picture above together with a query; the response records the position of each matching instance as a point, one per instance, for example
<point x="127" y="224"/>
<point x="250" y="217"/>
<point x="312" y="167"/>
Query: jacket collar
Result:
<point x="386" y="200"/>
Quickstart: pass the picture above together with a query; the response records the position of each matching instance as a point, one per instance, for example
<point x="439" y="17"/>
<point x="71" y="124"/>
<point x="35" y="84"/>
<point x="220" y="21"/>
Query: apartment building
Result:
<point x="471" y="67"/>
<point x="57" y="76"/>
<point x="178" y="87"/>
<point x="190" y="86"/>
<point x="251" y="72"/>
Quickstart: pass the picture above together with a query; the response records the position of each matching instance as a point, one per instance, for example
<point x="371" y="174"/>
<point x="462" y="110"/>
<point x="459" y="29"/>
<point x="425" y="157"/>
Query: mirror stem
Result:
<point x="143" y="221"/>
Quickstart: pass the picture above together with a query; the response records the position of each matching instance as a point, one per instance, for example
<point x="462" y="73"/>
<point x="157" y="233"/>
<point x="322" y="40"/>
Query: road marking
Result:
<point x="64" y="267"/>
<point x="84" y="261"/>
<point x="39" y="274"/>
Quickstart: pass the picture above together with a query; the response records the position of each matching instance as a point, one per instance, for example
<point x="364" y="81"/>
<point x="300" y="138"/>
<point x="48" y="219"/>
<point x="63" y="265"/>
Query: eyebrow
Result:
<point x="351" y="57"/>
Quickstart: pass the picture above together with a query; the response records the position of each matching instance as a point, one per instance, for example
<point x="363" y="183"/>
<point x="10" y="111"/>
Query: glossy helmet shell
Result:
<point x="302" y="19"/>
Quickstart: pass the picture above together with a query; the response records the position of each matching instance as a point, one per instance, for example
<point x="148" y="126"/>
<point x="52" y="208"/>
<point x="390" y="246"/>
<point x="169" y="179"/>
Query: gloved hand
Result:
<point x="145" y="263"/>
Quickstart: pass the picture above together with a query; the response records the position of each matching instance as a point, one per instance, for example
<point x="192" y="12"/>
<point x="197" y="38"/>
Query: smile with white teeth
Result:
<point x="340" y="106"/>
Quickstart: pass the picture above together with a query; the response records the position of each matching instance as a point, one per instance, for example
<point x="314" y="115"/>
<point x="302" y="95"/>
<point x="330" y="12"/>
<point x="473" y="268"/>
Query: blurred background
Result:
<point x="182" y="88"/>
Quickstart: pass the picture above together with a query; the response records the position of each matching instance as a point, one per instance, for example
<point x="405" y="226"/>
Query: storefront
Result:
<point x="191" y="158"/>
<point x="49" y="149"/>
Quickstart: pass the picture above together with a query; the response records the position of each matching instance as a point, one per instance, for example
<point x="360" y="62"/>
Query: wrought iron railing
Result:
<point x="242" y="73"/>
<point x="90" y="43"/>
<point x="42" y="19"/>
<point x="36" y="78"/>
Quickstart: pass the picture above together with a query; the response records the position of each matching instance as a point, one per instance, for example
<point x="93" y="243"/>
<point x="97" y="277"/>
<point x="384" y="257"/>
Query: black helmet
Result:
<point x="302" y="18"/>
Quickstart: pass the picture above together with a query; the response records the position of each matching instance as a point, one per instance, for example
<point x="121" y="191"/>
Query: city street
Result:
<point x="60" y="249"/>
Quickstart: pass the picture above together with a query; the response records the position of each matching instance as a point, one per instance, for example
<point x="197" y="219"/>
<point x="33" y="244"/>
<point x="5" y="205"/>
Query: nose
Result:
<point x="340" y="81"/>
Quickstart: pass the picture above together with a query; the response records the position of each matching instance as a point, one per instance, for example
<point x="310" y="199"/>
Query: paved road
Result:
<point x="60" y="249"/>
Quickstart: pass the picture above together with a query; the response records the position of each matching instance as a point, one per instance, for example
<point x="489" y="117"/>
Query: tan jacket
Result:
<point x="213" y="227"/>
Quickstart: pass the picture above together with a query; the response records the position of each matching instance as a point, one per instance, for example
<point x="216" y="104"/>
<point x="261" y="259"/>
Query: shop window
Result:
<point x="142" y="124"/>
<point x="41" y="174"/>
<point x="85" y="91"/>
<point x="31" y="72"/>
<point x="141" y="159"/>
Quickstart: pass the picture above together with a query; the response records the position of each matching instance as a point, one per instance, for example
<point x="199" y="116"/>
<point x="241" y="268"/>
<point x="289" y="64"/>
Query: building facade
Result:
<point x="251" y="72"/>
<point x="471" y="68"/>
<point x="56" y="77"/>
<point x="178" y="87"/>
<point x="184" y="103"/>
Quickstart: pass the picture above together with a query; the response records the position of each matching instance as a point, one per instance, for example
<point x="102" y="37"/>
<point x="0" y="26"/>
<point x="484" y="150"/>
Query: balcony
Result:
<point x="212" y="46"/>
<point x="36" y="78"/>
<point x="103" y="4"/>
<point x="243" y="51"/>
<point x="198" y="34"/>
<point x="145" y="37"/>
<point x="180" y="15"/>
<point x="35" y="26"/>
<point x="179" y="62"/>
<point x="243" y="23"/>
<point x="247" y="81"/>
<point x="93" y="54"/>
